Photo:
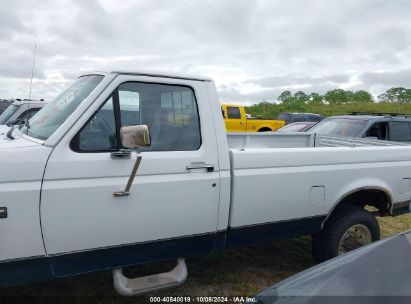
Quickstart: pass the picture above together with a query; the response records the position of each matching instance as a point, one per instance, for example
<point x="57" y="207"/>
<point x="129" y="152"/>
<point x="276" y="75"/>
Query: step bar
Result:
<point x="137" y="286"/>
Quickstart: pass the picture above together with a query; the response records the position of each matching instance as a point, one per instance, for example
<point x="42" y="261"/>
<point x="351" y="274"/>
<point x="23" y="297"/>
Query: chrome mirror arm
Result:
<point x="126" y="191"/>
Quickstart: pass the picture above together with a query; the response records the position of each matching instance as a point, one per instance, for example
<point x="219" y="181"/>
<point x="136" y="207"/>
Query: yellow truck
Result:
<point x="236" y="120"/>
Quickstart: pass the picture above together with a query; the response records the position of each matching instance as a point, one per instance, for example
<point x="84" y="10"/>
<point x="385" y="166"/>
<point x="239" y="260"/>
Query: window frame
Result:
<point x="75" y="144"/>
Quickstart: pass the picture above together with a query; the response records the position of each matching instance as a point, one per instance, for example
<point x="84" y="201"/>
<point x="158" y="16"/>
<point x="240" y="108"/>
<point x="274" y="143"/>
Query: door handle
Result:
<point x="121" y="154"/>
<point x="193" y="166"/>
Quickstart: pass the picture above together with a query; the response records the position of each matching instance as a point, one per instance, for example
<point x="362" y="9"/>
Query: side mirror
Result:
<point x="133" y="137"/>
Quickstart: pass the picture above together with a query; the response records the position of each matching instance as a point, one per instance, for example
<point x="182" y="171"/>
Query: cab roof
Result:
<point x="19" y="102"/>
<point x="371" y="117"/>
<point x="151" y="74"/>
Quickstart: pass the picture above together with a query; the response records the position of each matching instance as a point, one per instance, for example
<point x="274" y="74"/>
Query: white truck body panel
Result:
<point x="22" y="167"/>
<point x="283" y="179"/>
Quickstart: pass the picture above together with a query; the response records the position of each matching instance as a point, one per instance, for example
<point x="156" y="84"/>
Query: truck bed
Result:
<point x="298" y="140"/>
<point x="299" y="176"/>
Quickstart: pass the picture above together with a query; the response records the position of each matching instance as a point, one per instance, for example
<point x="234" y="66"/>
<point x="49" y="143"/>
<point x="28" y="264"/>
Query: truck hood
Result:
<point x="18" y="142"/>
<point x="3" y="129"/>
<point x="21" y="160"/>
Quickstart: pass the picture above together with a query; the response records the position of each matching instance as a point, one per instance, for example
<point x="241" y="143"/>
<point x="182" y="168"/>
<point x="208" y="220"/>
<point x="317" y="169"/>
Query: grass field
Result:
<point x="232" y="273"/>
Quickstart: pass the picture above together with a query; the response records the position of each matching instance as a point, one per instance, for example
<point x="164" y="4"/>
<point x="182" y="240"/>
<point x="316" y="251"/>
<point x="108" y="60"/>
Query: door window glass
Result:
<point x="170" y="112"/>
<point x="99" y="134"/>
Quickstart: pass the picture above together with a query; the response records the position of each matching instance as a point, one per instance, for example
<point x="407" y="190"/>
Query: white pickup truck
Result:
<point x="63" y="210"/>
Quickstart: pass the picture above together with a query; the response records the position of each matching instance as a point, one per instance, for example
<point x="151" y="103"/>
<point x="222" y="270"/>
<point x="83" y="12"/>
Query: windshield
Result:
<point x="283" y="116"/>
<point x="5" y="116"/>
<point x="54" y="114"/>
<point x="292" y="128"/>
<point x="339" y="127"/>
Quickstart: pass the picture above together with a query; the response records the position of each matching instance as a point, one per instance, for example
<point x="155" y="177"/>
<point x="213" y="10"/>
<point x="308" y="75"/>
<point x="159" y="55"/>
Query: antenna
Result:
<point x="26" y="121"/>
<point x="32" y="69"/>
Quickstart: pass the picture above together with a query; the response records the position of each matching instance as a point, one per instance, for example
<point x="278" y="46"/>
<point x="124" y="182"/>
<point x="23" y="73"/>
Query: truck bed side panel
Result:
<point x="299" y="186"/>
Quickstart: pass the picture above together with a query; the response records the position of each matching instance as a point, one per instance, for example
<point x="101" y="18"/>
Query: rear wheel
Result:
<point x="349" y="228"/>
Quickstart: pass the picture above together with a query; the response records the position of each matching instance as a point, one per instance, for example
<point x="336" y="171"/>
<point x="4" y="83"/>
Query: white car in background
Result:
<point x="19" y="110"/>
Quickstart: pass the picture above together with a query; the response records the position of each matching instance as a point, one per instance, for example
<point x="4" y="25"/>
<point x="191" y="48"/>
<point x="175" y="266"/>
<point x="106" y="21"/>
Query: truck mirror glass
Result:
<point x="135" y="136"/>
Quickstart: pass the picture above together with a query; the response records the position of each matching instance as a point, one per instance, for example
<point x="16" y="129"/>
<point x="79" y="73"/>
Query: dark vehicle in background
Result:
<point x="297" y="126"/>
<point x="19" y="110"/>
<point x="393" y="127"/>
<point x="381" y="269"/>
<point x="298" y="117"/>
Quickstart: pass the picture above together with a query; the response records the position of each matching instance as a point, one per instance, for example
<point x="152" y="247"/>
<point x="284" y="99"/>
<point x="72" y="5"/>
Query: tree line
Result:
<point x="336" y="102"/>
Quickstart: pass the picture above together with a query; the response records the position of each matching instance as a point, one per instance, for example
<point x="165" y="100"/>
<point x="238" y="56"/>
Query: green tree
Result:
<point x="362" y="97"/>
<point x="301" y="96"/>
<point x="397" y="95"/>
<point x="291" y="102"/>
<point x="338" y="96"/>
<point x="315" y="98"/>
<point x="284" y="95"/>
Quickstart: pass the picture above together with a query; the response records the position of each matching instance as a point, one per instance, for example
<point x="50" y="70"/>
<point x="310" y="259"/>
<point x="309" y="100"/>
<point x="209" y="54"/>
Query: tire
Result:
<point x="349" y="228"/>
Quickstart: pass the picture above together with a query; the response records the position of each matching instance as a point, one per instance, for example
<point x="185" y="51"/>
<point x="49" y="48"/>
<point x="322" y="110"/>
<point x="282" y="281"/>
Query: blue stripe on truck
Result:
<point x="242" y="236"/>
<point x="56" y="266"/>
<point x="35" y="269"/>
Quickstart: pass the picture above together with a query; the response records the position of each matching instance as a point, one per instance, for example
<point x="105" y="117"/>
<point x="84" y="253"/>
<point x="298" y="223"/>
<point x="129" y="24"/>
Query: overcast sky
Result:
<point x="252" y="49"/>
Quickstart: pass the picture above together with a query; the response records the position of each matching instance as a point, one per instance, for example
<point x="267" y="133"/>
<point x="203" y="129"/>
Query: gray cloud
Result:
<point x="254" y="49"/>
<point x="397" y="78"/>
<point x="289" y="81"/>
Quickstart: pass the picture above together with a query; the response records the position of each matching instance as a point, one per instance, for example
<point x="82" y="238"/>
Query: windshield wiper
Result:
<point x="24" y="122"/>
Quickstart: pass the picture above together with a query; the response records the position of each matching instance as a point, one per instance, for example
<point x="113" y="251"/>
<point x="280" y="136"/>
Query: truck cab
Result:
<point x="236" y="120"/>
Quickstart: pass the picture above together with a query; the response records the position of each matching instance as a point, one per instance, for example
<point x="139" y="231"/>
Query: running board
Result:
<point x="137" y="286"/>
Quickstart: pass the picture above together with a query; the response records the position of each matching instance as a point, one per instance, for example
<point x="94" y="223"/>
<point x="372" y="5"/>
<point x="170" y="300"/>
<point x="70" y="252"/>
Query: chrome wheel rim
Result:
<point x="354" y="237"/>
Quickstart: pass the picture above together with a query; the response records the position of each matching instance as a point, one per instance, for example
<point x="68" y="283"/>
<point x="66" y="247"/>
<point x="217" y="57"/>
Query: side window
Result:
<point x="299" y="117"/>
<point x="233" y="112"/>
<point x="170" y="111"/>
<point x="99" y="133"/>
<point x="377" y="130"/>
<point x="400" y="131"/>
<point x="29" y="113"/>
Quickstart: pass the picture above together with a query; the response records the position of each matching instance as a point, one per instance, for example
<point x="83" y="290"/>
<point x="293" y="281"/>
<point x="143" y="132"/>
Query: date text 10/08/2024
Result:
<point x="185" y="299"/>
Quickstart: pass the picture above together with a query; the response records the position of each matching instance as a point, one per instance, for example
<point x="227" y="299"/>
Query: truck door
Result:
<point x="234" y="121"/>
<point x="172" y="209"/>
